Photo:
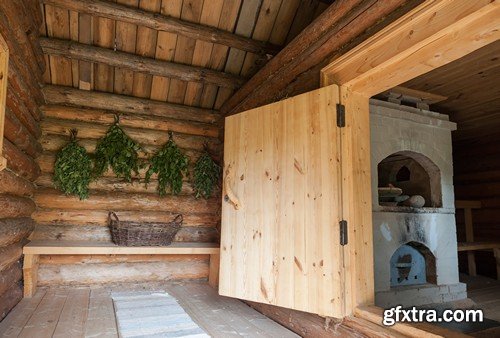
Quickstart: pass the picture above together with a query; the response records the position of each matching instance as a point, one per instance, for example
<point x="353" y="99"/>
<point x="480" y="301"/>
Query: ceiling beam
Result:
<point x="430" y="36"/>
<point x="339" y="24"/>
<point x="137" y="63"/>
<point x="122" y="103"/>
<point x="164" y="23"/>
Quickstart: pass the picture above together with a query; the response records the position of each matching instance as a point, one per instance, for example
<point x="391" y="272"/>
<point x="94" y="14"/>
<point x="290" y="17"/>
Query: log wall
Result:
<point x="19" y="25"/>
<point x="66" y="218"/>
<point x="477" y="177"/>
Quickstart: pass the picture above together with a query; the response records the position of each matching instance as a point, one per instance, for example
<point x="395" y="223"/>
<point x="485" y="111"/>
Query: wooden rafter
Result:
<point x="339" y="24"/>
<point x="122" y="103"/>
<point x="430" y="36"/>
<point x="84" y="52"/>
<point x="160" y="22"/>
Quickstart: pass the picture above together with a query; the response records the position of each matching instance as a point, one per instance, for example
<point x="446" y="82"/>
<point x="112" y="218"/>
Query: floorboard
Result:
<point x="89" y="312"/>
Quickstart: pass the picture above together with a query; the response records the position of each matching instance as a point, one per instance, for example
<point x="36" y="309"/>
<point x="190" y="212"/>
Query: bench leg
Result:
<point x="213" y="274"/>
<point x="496" y="251"/>
<point x="30" y="273"/>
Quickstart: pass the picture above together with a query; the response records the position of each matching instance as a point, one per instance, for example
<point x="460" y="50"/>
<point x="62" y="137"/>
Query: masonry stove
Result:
<point x="414" y="231"/>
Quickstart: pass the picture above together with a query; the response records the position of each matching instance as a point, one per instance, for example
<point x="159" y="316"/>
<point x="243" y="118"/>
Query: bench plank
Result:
<point x="470" y="246"/>
<point x="33" y="250"/>
<point x="106" y="248"/>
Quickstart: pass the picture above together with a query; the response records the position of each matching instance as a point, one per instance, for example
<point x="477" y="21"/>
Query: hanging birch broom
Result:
<point x="73" y="169"/>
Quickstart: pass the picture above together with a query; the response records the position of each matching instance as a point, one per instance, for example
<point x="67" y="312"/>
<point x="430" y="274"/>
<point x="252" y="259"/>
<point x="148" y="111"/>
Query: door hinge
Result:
<point x="340" y="115"/>
<point x="343" y="232"/>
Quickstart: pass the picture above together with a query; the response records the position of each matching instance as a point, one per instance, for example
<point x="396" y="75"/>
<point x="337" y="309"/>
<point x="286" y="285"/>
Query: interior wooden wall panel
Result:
<point x="125" y="41"/>
<point x="184" y="49"/>
<point x="20" y="145"/>
<point x="262" y="32"/>
<point x="146" y="46"/>
<point x="104" y="36"/>
<point x="210" y="15"/>
<point x="165" y="50"/>
<point x="229" y="15"/>
<point x="244" y="27"/>
<point x="58" y="27"/>
<point x="85" y="69"/>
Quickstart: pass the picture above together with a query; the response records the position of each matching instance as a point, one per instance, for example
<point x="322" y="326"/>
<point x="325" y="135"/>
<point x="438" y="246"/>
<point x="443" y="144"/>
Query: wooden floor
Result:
<point x="485" y="292"/>
<point x="89" y="312"/>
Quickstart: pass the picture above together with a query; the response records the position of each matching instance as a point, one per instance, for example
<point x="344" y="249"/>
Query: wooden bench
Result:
<point x="473" y="246"/>
<point x="33" y="250"/>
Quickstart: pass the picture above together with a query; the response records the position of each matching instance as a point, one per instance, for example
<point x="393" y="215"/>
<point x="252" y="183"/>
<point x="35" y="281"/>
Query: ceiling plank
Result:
<point x="339" y="24"/>
<point x="136" y="63"/>
<point x="121" y="103"/>
<point x="159" y="22"/>
<point x="430" y="36"/>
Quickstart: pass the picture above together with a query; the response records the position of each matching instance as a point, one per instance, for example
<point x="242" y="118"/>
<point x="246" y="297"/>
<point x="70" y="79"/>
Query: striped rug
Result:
<point x="152" y="314"/>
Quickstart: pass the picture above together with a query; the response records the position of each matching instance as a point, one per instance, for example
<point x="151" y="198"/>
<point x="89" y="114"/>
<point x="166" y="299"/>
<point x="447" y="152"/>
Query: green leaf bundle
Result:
<point x="73" y="169"/>
<point x="171" y="165"/>
<point x="206" y="175"/>
<point x="119" y="151"/>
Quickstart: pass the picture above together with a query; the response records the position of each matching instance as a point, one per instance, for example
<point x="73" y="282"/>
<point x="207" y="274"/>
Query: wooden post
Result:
<point x="496" y="252"/>
<point x="213" y="274"/>
<point x="30" y="273"/>
<point x="4" y="65"/>
<point x="469" y="237"/>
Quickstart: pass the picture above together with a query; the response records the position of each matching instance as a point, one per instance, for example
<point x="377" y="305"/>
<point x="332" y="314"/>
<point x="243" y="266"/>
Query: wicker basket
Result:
<point x="129" y="233"/>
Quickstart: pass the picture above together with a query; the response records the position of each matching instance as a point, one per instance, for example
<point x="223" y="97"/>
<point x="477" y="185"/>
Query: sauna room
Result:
<point x="257" y="168"/>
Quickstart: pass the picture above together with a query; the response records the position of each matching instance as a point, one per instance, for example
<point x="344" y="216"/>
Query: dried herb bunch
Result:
<point x="73" y="169"/>
<point x="206" y="175"/>
<point x="119" y="151"/>
<point x="171" y="165"/>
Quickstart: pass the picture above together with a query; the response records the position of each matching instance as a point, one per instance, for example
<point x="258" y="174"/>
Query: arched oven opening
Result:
<point x="409" y="179"/>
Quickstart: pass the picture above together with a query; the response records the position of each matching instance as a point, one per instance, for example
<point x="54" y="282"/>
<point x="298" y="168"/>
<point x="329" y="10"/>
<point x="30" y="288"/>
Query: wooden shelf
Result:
<point x="472" y="246"/>
<point x="105" y="248"/>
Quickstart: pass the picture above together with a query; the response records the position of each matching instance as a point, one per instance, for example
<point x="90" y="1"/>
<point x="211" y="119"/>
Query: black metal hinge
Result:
<point x="340" y="115"/>
<point x="343" y="232"/>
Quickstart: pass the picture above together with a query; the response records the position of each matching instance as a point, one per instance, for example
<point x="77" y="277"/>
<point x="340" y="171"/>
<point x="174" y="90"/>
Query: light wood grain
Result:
<point x="282" y="246"/>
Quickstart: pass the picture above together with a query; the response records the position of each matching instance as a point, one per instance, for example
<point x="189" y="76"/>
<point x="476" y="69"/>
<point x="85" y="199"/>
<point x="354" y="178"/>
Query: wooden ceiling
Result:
<point x="472" y="87"/>
<point x="221" y="67"/>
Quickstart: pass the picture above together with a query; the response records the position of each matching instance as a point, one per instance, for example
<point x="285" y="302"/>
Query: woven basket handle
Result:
<point x="113" y="215"/>
<point x="178" y="219"/>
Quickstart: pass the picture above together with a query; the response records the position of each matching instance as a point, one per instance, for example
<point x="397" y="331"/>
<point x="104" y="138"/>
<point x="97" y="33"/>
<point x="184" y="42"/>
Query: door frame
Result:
<point x="431" y="35"/>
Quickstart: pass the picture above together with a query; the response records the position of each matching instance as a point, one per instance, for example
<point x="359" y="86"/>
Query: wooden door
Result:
<point x="280" y="237"/>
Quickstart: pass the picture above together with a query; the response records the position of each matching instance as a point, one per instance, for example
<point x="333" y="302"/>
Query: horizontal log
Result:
<point x="47" y="162"/>
<point x="19" y="23"/>
<point x="31" y="98"/>
<point x="100" y="217"/>
<point x="97" y="233"/>
<point x="12" y="275"/>
<point x="12" y="184"/>
<point x="19" y="135"/>
<point x="100" y="259"/>
<point x="22" y="113"/>
<point x="16" y="206"/>
<point x="164" y="23"/>
<point x="19" y="162"/>
<point x="137" y="63"/>
<point x="104" y="184"/>
<point x="302" y="323"/>
<point x="128" y="104"/>
<point x="13" y="230"/>
<point x="478" y="190"/>
<point x="91" y="274"/>
<point x="117" y="201"/>
<point x="142" y="136"/>
<point x="10" y="298"/>
<point x="133" y="120"/>
<point x="10" y="254"/>
<point x="20" y="49"/>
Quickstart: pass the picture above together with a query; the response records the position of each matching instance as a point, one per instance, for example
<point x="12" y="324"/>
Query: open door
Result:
<point x="280" y="240"/>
